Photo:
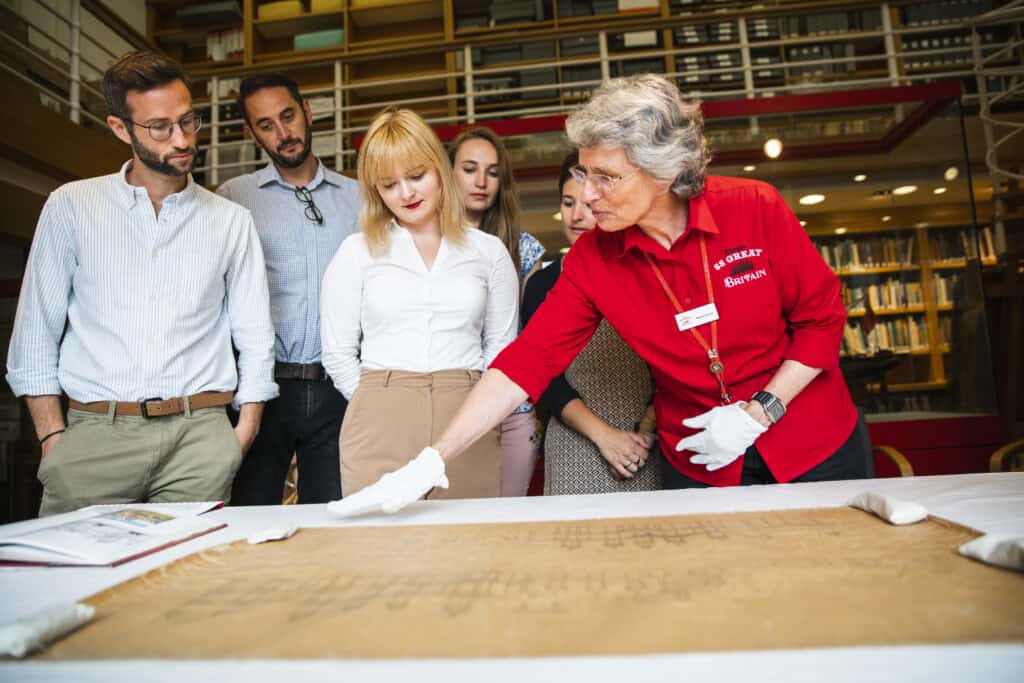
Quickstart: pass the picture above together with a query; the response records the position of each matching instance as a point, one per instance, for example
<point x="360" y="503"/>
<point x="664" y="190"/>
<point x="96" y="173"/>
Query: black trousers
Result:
<point x="304" y="420"/>
<point x="848" y="462"/>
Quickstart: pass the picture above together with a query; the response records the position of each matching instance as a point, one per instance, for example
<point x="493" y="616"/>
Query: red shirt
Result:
<point x="776" y="300"/>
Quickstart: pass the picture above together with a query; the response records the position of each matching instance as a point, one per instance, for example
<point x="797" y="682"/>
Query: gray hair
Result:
<point x="659" y="132"/>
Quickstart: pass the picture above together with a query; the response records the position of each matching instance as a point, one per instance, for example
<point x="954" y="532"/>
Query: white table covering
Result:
<point x="986" y="502"/>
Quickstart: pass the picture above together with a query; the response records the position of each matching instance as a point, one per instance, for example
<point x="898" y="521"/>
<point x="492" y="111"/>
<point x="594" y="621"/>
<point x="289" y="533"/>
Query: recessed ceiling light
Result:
<point x="840" y="231"/>
<point x="904" y="189"/>
<point x="886" y="219"/>
<point x="859" y="178"/>
<point x="772" y="148"/>
<point x="557" y="215"/>
<point x="951" y="173"/>
<point x="811" y="199"/>
<point x="939" y="190"/>
<point x="749" y="167"/>
<point x="803" y="224"/>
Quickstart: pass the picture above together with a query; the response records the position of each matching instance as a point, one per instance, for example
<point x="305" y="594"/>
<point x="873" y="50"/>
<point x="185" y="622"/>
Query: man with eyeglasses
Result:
<point x="303" y="211"/>
<point x="136" y="287"/>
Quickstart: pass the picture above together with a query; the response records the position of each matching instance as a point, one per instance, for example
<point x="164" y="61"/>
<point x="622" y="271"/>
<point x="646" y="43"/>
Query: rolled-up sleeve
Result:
<point x="557" y="332"/>
<point x="812" y="303"/>
<point x="341" y="331"/>
<point x="33" y="355"/>
<point x="252" y="330"/>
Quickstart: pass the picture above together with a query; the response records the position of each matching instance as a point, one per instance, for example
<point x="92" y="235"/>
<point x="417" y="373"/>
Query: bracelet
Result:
<point x="59" y="431"/>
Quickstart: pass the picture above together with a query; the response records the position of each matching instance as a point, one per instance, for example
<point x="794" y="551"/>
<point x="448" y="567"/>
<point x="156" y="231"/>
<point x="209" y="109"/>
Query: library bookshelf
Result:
<point x="904" y="289"/>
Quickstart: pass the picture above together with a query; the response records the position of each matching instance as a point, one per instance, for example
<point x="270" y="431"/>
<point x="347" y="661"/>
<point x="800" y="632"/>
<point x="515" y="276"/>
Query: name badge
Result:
<point x="696" y="316"/>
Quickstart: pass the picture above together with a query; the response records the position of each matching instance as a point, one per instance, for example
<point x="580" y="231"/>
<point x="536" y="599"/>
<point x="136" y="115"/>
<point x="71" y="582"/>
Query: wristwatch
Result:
<point x="772" y="404"/>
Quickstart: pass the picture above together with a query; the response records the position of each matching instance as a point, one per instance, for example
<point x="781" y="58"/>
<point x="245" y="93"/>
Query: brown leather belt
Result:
<point x="155" y="407"/>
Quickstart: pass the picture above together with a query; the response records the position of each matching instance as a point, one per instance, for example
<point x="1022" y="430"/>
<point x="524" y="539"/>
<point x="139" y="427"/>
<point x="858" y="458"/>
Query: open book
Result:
<point x="105" y="535"/>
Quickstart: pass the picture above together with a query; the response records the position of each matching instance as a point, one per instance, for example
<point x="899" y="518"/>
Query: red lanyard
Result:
<point x="715" y="366"/>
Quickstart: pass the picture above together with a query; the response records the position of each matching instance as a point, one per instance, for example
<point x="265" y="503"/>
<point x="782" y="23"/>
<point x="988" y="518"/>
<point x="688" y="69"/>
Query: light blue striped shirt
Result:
<point x="152" y="304"/>
<point x="297" y="250"/>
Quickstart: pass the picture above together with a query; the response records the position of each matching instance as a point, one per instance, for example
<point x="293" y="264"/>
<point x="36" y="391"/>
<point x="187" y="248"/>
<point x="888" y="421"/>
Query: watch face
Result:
<point x="772" y="405"/>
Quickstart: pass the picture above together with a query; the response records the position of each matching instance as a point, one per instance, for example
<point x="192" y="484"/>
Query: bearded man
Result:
<point x="303" y="211"/>
<point x="137" y="285"/>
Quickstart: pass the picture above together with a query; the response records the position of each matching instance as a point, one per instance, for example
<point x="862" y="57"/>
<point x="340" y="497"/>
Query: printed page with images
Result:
<point x="107" y="535"/>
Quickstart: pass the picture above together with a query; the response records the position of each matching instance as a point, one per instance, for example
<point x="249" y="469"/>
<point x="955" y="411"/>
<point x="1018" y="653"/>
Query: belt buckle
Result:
<point x="144" y="410"/>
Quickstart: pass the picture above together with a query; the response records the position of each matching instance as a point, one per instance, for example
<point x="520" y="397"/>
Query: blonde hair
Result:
<point x="400" y="135"/>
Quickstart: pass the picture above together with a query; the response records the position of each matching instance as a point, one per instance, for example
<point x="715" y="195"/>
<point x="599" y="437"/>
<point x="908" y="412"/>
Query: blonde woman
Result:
<point x="413" y="309"/>
<point x="483" y="174"/>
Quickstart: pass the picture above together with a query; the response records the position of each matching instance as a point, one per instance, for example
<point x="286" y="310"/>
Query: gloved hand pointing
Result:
<point x="395" y="490"/>
<point x="727" y="432"/>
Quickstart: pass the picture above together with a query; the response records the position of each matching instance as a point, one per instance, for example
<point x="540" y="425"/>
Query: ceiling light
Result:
<point x="886" y="219"/>
<point x="939" y="190"/>
<point x="859" y="178"/>
<point x="922" y="224"/>
<point x="904" y="189"/>
<point x="803" y="224"/>
<point x="811" y="199"/>
<point x="951" y="173"/>
<point x="557" y="215"/>
<point x="840" y="231"/>
<point x="772" y="148"/>
<point x="749" y="167"/>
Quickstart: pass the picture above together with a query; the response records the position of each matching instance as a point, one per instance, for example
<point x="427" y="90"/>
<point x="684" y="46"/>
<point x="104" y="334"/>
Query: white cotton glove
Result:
<point x="395" y="490"/>
<point x="728" y="431"/>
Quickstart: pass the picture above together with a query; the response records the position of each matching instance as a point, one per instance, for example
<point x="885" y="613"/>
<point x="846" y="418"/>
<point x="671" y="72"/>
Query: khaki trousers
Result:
<point x="131" y="459"/>
<point x="394" y="414"/>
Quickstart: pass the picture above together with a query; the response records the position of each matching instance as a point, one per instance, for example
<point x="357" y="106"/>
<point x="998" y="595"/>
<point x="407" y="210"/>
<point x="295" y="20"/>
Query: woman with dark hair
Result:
<point x="483" y="174"/>
<point x="711" y="280"/>
<point x="601" y="418"/>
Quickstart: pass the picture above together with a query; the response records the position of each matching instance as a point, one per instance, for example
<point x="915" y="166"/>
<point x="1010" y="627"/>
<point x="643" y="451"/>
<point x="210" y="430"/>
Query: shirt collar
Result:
<point x="131" y="194"/>
<point x="269" y="174"/>
<point x="698" y="217"/>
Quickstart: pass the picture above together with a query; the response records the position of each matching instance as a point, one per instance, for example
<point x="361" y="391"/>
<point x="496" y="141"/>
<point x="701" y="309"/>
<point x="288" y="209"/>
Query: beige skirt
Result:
<point x="394" y="414"/>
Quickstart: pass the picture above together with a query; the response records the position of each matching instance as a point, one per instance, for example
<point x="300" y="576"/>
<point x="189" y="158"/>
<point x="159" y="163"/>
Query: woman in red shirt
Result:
<point x="711" y="280"/>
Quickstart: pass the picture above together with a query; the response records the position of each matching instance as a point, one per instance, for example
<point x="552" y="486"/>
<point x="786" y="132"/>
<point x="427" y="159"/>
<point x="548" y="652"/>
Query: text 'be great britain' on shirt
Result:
<point x="297" y="250"/>
<point x="390" y="313"/>
<point x="776" y="298"/>
<point x="152" y="303"/>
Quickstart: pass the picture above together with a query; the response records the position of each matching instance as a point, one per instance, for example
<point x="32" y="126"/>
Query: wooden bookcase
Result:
<point x="911" y="281"/>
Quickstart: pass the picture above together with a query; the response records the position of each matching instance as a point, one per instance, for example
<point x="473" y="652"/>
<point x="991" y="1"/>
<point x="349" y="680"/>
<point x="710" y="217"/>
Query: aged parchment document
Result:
<point x="787" y="579"/>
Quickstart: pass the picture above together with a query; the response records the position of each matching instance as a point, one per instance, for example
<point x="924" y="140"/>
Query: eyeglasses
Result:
<point x="162" y="130"/>
<point x="312" y="212"/>
<point x="603" y="183"/>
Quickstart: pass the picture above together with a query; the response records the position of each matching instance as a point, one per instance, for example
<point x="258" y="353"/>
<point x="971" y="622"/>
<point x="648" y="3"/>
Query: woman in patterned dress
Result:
<point x="483" y="174"/>
<point x="597" y="427"/>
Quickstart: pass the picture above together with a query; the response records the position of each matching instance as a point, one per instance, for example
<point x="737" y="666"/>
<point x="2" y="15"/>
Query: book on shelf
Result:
<point x="959" y="245"/>
<point x="946" y="330"/>
<point x="887" y="296"/>
<point x="874" y="252"/>
<point x="945" y="286"/>
<point x="899" y="335"/>
<point x="105" y="535"/>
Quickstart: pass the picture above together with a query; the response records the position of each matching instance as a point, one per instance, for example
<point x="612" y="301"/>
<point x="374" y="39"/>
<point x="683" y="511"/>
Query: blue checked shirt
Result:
<point x="151" y="304"/>
<point x="297" y="250"/>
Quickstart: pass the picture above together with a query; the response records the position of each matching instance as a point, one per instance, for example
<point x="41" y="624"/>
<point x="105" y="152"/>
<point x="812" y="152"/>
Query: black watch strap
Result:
<point x="772" y="405"/>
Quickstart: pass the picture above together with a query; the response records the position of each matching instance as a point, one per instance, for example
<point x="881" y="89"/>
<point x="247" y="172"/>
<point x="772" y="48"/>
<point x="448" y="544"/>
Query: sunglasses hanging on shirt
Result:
<point x="312" y="212"/>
